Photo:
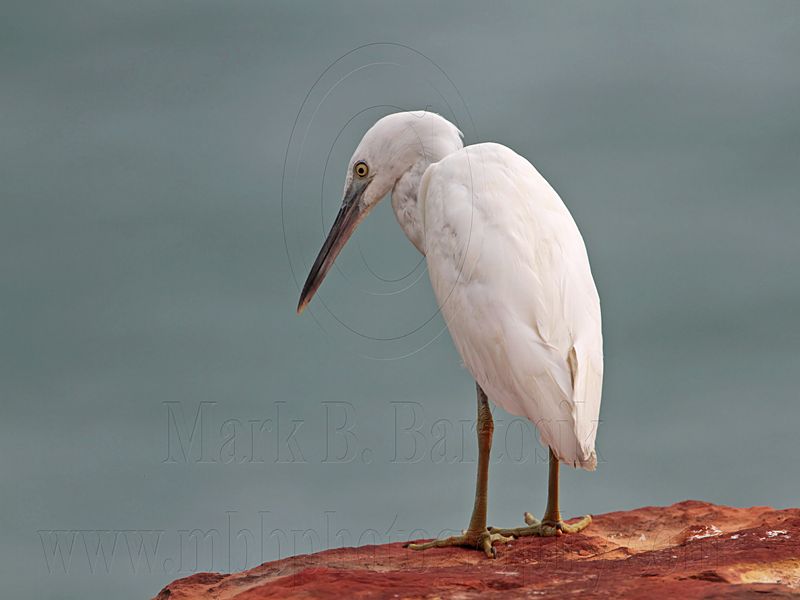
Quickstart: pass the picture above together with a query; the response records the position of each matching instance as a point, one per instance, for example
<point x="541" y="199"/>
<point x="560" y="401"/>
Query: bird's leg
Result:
<point x="476" y="535"/>
<point x="552" y="515"/>
<point x="551" y="524"/>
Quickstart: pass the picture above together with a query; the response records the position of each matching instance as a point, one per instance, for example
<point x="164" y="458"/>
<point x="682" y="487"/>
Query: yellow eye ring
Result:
<point x="361" y="169"/>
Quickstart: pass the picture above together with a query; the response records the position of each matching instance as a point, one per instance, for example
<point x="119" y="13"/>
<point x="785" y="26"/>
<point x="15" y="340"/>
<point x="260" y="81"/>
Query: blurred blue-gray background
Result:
<point x="158" y="393"/>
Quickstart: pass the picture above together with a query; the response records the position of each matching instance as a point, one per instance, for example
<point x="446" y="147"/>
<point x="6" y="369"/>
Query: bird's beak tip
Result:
<point x="346" y="221"/>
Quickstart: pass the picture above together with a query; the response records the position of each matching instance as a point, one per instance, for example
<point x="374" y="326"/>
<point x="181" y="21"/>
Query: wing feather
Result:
<point x="510" y="270"/>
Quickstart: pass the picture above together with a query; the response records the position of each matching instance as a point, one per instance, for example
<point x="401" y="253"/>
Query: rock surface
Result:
<point x="687" y="550"/>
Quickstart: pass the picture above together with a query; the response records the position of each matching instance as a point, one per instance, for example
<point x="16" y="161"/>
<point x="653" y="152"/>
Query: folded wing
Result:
<point x="510" y="271"/>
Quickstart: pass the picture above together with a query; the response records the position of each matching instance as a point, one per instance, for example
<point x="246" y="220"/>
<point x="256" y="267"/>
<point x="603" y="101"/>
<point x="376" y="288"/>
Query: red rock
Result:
<point x="687" y="550"/>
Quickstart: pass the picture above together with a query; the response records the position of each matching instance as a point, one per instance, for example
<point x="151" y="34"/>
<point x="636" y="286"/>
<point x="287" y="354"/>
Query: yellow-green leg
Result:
<point x="551" y="523"/>
<point x="476" y="535"/>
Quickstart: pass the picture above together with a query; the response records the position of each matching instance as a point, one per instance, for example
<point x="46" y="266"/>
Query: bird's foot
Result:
<point x="479" y="540"/>
<point x="545" y="528"/>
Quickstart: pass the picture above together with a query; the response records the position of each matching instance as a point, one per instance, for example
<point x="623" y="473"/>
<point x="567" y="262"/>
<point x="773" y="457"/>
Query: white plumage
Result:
<point x="510" y="272"/>
<point x="507" y="263"/>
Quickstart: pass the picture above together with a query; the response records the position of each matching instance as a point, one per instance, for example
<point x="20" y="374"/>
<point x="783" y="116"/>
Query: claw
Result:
<point x="481" y="541"/>
<point x="488" y="549"/>
<point x="576" y="527"/>
<point x="543" y="529"/>
<point x="530" y="519"/>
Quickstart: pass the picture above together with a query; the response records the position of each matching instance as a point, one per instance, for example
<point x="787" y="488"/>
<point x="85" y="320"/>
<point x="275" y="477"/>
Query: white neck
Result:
<point x="406" y="207"/>
<point x="405" y="201"/>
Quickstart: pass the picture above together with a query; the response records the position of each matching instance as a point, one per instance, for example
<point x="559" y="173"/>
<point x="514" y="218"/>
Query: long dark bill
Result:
<point x="343" y="227"/>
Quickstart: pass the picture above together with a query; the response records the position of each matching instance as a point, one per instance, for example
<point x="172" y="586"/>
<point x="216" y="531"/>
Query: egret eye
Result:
<point x="361" y="169"/>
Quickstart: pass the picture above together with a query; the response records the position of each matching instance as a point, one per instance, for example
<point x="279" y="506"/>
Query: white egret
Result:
<point x="511" y="275"/>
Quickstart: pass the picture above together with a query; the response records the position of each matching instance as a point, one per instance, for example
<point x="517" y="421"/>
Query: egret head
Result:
<point x="390" y="149"/>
